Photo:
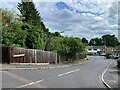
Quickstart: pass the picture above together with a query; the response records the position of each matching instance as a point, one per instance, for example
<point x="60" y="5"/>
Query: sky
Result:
<point x="77" y="18"/>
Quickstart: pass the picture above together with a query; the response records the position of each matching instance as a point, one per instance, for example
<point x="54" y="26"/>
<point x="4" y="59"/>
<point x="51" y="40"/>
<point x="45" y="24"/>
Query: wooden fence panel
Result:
<point x="16" y="51"/>
<point x="34" y="56"/>
<point x="39" y="56"/>
<point x="5" y="55"/>
<point x="53" y="58"/>
<point x="29" y="56"/>
<point x="0" y="54"/>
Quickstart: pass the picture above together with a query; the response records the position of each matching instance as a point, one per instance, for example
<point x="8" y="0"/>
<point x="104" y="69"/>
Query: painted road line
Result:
<point x="102" y="77"/>
<point x="32" y="83"/>
<point x="23" y="80"/>
<point x="29" y="84"/>
<point x="68" y="72"/>
<point x="17" y="77"/>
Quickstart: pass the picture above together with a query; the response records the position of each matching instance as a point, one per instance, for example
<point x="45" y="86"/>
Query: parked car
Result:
<point x="116" y="57"/>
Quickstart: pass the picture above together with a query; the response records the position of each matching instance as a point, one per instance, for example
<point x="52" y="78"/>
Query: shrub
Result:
<point x="108" y="55"/>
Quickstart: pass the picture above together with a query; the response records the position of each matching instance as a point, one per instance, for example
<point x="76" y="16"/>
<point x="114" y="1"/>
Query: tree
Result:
<point x="12" y="34"/>
<point x="110" y="40"/>
<point x="7" y="17"/>
<point x="96" y="42"/>
<point x="34" y="26"/>
<point x="85" y="41"/>
<point x="20" y="35"/>
<point x="92" y="42"/>
<point x="76" y="45"/>
<point x="49" y="36"/>
<point x="57" y="34"/>
<point x="59" y="45"/>
<point x="29" y="12"/>
<point x="34" y="38"/>
<point x="67" y="45"/>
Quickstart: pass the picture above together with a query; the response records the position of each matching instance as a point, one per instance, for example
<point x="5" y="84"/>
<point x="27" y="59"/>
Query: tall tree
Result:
<point x="92" y="42"/>
<point x="29" y="12"/>
<point x="85" y="41"/>
<point x="96" y="42"/>
<point x="110" y="40"/>
<point x="35" y="28"/>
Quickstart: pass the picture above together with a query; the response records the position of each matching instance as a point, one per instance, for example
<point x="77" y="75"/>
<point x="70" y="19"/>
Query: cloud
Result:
<point x="81" y="18"/>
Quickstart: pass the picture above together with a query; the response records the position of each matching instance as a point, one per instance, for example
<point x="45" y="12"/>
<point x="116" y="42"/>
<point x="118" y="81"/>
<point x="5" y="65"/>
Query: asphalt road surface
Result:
<point x="87" y="75"/>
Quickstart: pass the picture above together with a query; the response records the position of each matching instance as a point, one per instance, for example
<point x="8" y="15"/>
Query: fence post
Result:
<point x="56" y="58"/>
<point x="59" y="58"/>
<point x="35" y="57"/>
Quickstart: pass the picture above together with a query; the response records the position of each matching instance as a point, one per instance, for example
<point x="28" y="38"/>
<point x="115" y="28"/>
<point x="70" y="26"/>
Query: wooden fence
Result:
<point x="22" y="55"/>
<point x="73" y="57"/>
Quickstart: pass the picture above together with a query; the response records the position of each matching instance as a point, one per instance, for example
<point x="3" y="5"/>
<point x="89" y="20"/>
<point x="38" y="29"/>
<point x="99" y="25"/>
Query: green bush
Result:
<point x="108" y="55"/>
<point x="89" y="53"/>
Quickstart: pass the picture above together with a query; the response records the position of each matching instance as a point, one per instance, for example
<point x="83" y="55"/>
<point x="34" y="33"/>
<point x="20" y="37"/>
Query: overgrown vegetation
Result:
<point x="28" y="30"/>
<point x="108" y="55"/>
<point x="107" y="40"/>
<point x="66" y="45"/>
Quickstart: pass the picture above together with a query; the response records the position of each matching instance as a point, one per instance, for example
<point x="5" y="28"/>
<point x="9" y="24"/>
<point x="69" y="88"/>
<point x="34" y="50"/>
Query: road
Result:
<point x="87" y="75"/>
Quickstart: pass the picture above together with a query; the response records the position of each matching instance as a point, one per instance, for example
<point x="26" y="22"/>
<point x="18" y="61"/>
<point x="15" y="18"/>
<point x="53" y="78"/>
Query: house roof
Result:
<point x="102" y="47"/>
<point x="95" y="47"/>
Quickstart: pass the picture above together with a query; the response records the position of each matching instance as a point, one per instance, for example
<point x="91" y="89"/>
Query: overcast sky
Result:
<point x="78" y="18"/>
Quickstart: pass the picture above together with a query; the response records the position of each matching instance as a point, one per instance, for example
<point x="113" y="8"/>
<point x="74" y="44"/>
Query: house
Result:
<point x="102" y="50"/>
<point x="96" y="50"/>
<point x="109" y="49"/>
<point x="116" y="51"/>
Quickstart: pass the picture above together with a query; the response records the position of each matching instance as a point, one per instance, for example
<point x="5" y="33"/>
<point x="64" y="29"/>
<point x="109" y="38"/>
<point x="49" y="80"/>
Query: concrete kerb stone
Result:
<point x="29" y="63"/>
<point x="45" y="68"/>
<point x="103" y="80"/>
<point x="24" y="69"/>
<point x="107" y="81"/>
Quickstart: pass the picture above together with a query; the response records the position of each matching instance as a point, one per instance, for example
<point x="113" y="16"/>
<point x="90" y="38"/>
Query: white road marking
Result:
<point x="24" y="80"/>
<point x="102" y="77"/>
<point x="32" y="83"/>
<point x="63" y="66"/>
<point x="29" y="84"/>
<point x="68" y="72"/>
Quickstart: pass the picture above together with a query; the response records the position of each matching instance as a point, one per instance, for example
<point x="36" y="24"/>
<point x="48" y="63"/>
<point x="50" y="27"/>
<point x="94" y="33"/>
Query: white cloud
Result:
<point x="94" y="18"/>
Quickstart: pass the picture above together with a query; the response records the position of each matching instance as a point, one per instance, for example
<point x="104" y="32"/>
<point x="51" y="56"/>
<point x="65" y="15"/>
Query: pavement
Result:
<point x="30" y="66"/>
<point x="112" y="76"/>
